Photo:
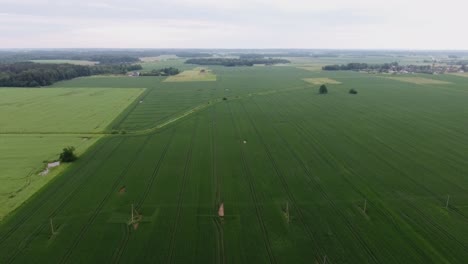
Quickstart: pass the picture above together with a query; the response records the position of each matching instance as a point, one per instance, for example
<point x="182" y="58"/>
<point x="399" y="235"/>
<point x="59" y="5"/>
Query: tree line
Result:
<point x="162" y="72"/>
<point x="29" y="74"/>
<point x="230" y="62"/>
<point x="102" y="56"/>
<point x="355" y="66"/>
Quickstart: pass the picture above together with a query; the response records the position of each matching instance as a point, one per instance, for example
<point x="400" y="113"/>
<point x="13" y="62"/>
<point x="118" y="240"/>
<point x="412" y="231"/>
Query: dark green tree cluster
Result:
<point x="354" y="66"/>
<point x="128" y="67"/>
<point x="229" y="62"/>
<point x="346" y="67"/>
<point x="353" y="91"/>
<point x="323" y="89"/>
<point x="68" y="155"/>
<point x="29" y="74"/>
<point x="162" y="72"/>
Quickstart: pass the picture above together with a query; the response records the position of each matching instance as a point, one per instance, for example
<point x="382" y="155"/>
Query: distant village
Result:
<point x="395" y="68"/>
<point x="427" y="69"/>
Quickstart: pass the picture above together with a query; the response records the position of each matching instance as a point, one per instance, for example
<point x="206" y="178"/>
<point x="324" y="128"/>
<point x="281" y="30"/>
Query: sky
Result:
<point x="303" y="24"/>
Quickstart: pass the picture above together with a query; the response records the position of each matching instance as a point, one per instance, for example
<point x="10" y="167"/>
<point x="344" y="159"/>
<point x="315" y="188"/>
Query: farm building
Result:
<point x="134" y="74"/>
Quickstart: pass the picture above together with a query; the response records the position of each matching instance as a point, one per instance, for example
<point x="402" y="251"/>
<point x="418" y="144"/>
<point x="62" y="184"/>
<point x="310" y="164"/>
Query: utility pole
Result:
<point x="52" y="227"/>
<point x="365" y="206"/>
<point x="325" y="259"/>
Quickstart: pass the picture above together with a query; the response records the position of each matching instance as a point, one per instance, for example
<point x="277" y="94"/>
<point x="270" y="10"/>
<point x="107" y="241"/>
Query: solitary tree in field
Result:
<point x="323" y="89"/>
<point x="352" y="91"/>
<point x="68" y="155"/>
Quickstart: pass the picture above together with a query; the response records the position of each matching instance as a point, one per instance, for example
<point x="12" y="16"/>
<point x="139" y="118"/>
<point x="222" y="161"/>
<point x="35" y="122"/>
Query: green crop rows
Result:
<point x="292" y="167"/>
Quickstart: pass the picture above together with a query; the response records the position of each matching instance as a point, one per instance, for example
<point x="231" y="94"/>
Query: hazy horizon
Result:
<point x="229" y="24"/>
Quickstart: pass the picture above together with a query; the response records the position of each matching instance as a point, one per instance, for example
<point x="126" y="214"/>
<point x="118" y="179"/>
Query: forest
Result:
<point x="29" y="74"/>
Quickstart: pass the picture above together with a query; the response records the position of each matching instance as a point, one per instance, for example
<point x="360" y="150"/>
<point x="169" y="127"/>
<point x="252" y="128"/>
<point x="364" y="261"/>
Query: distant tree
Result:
<point x="230" y="62"/>
<point x="68" y="155"/>
<point x="352" y="91"/>
<point x="323" y="89"/>
<point x="224" y="98"/>
<point x="162" y="72"/>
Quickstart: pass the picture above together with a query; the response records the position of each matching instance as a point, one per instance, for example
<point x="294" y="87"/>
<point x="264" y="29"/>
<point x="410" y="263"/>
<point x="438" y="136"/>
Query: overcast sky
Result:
<point x="332" y="24"/>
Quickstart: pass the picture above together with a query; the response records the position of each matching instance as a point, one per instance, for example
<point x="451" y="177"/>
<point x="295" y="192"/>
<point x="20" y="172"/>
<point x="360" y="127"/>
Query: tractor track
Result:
<point x="322" y="191"/>
<point x="61" y="205"/>
<point x="435" y="225"/>
<point x="350" y="226"/>
<point x="155" y="172"/>
<point x="185" y="177"/>
<point x="4" y="237"/>
<point x="247" y="175"/>
<point x="285" y="186"/>
<point x="219" y="228"/>
<point x="131" y="108"/>
<point x="101" y="204"/>
<point x="123" y="244"/>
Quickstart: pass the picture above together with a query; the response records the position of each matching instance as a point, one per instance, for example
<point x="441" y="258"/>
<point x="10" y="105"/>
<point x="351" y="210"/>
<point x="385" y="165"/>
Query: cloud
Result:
<point x="375" y="24"/>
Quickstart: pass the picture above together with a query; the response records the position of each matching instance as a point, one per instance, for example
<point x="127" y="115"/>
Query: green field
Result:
<point x="293" y="168"/>
<point x="36" y="124"/>
<point x="76" y="62"/>
<point x="59" y="110"/>
<point x="198" y="74"/>
<point x="21" y="160"/>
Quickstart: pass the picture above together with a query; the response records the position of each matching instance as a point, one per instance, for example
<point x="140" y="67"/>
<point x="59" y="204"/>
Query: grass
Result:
<point x="196" y="75"/>
<point x="460" y="74"/>
<point x="21" y="160"/>
<point x="311" y="67"/>
<point x="36" y="124"/>
<point x="153" y="63"/>
<point x="419" y="80"/>
<point x="76" y="62"/>
<point x="58" y="110"/>
<point x="319" y="81"/>
<point x="398" y="145"/>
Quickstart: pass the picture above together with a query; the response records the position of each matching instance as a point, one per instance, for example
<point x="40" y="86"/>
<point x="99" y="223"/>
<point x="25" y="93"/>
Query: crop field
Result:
<point x="460" y="74"/>
<point x="36" y="124"/>
<point x="195" y="75"/>
<point x="150" y="63"/>
<point x="46" y="110"/>
<point x="419" y="80"/>
<point x="21" y="160"/>
<point x="76" y="62"/>
<point x="319" y="81"/>
<point x="303" y="177"/>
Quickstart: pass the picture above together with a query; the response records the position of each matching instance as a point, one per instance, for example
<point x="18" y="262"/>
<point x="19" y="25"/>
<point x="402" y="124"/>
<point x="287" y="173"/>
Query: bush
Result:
<point x="224" y="98"/>
<point x="323" y="89"/>
<point x="68" y="155"/>
<point x="352" y="91"/>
